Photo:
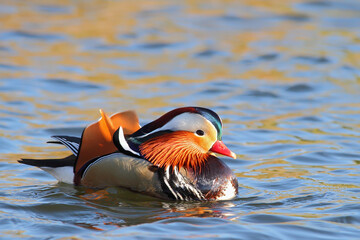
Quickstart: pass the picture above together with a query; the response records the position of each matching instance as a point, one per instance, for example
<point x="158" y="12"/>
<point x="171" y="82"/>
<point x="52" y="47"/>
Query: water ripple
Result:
<point x="283" y="77"/>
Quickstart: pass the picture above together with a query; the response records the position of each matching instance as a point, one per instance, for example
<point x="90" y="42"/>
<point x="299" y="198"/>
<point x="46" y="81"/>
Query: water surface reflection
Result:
<point x="284" y="76"/>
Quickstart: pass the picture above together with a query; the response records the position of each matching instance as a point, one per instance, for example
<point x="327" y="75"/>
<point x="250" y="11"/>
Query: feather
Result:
<point x="62" y="162"/>
<point x="72" y="143"/>
<point x="175" y="149"/>
<point x="97" y="138"/>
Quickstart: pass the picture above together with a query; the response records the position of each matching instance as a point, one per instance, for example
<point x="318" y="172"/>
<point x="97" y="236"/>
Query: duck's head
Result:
<point x="182" y="137"/>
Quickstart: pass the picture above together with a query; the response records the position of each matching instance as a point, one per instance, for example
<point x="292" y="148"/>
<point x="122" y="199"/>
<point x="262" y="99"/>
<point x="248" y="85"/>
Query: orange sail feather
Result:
<point x="97" y="138"/>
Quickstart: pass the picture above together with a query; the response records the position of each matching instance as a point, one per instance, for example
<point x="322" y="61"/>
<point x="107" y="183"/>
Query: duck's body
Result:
<point x="167" y="158"/>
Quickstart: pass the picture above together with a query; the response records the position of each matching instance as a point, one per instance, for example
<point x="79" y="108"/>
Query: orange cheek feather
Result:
<point x="175" y="149"/>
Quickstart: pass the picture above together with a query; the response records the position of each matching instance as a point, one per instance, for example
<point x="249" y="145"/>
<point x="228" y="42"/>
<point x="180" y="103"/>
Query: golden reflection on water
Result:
<point x="109" y="20"/>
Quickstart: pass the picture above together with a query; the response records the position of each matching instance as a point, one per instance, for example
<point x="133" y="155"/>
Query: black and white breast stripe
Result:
<point x="178" y="187"/>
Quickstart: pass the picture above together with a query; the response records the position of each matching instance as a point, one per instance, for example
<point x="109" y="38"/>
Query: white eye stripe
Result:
<point x="190" y="122"/>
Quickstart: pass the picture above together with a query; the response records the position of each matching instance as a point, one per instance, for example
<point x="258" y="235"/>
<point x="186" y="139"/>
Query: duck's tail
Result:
<point x="62" y="169"/>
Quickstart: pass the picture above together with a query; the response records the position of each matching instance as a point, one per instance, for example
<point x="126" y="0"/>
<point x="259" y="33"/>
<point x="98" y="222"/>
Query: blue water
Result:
<point x="284" y="77"/>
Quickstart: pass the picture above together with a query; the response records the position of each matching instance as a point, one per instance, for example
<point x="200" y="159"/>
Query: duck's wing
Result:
<point x="97" y="138"/>
<point x="118" y="169"/>
<point x="96" y="141"/>
<point x="72" y="143"/>
<point x="100" y="134"/>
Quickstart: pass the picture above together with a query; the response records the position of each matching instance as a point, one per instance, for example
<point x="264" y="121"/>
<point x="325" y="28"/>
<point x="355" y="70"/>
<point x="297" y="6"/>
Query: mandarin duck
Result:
<point x="169" y="158"/>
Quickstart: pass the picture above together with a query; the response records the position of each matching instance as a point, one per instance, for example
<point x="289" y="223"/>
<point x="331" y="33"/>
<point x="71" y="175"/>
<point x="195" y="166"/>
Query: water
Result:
<point x="283" y="75"/>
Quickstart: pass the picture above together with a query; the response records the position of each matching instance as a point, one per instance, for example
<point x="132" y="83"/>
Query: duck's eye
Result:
<point x="200" y="132"/>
